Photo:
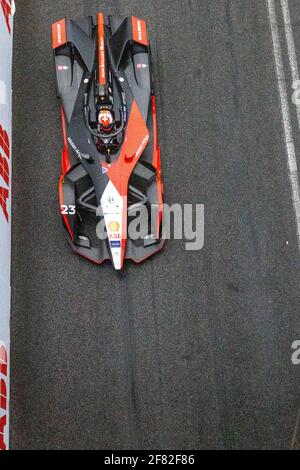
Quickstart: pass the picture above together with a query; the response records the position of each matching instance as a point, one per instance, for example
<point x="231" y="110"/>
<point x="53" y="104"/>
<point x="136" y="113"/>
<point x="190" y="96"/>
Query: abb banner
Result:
<point x="7" y="9"/>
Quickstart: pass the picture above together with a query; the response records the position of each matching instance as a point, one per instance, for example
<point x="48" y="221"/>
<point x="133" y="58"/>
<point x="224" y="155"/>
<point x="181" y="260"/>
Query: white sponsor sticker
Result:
<point x="112" y="206"/>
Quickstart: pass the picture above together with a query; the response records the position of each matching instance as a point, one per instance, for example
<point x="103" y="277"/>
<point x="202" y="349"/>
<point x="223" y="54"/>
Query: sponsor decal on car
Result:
<point x="115" y="244"/>
<point x="62" y="68"/>
<point x="139" y="30"/>
<point x="101" y="47"/>
<point x="113" y="216"/>
<point x="111" y="199"/>
<point x="80" y="155"/>
<point x="116" y="236"/>
<point x="142" y="146"/>
<point x="114" y="226"/>
<point x="59" y="34"/>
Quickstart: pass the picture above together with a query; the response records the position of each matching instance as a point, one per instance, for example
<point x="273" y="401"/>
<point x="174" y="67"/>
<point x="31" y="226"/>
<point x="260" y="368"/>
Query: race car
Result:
<point x="111" y="165"/>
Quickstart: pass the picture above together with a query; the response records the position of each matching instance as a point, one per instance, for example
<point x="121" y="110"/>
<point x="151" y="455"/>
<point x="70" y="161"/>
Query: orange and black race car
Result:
<point x="111" y="167"/>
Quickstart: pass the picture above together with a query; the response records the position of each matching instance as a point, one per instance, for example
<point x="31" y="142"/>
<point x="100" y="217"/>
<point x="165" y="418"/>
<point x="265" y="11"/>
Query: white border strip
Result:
<point x="6" y="37"/>
<point x="286" y="118"/>
<point x="291" y="48"/>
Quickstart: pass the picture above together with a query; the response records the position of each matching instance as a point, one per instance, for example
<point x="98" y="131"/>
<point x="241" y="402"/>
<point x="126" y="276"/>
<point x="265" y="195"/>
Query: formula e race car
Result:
<point x="111" y="167"/>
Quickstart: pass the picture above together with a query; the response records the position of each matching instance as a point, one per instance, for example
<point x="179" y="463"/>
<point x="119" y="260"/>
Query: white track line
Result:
<point x="286" y="118"/>
<point x="291" y="47"/>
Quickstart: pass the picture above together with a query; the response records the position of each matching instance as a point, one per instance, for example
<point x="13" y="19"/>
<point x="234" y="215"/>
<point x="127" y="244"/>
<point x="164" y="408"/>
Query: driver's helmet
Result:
<point x="106" y="120"/>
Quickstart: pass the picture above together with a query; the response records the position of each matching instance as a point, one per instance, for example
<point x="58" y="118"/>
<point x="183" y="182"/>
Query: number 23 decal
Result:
<point x="68" y="210"/>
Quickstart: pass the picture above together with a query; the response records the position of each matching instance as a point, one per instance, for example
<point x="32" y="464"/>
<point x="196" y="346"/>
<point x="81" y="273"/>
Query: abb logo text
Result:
<point x="3" y="394"/>
<point x="6" y="7"/>
<point x="4" y="171"/>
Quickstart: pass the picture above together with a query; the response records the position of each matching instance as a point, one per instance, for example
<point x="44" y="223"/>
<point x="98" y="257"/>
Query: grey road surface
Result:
<point x="190" y="350"/>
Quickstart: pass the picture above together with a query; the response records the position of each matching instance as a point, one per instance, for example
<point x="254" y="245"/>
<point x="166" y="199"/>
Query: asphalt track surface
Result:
<point x="190" y="350"/>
